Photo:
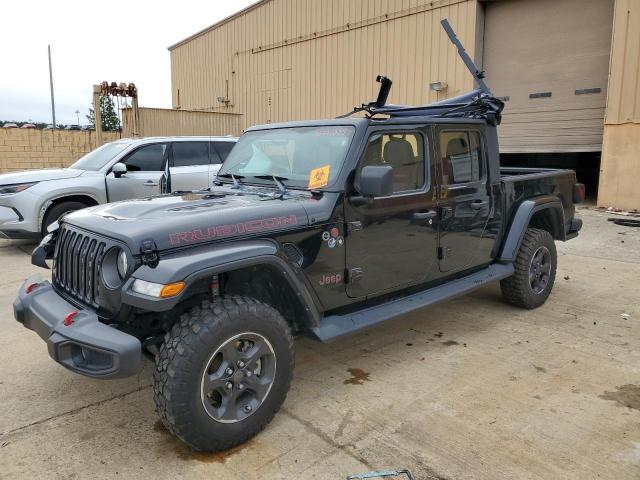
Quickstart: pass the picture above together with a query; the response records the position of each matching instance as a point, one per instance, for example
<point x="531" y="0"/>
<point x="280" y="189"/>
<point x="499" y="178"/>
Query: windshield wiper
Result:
<point x="277" y="180"/>
<point x="234" y="177"/>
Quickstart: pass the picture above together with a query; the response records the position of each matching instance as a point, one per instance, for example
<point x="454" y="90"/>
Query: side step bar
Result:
<point x="335" y="326"/>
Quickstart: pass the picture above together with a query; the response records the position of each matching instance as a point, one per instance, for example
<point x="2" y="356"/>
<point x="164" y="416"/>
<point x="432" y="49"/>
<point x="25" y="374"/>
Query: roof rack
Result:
<point x="478" y="103"/>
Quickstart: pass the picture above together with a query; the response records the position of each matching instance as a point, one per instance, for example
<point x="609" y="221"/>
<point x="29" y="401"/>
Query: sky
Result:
<point x="90" y="42"/>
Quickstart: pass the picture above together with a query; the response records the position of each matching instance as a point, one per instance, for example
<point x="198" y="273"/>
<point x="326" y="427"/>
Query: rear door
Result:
<point x="145" y="173"/>
<point x="464" y="199"/>
<point x="190" y="165"/>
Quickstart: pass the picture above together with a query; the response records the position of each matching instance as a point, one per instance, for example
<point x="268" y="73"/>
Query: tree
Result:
<point x="110" y="121"/>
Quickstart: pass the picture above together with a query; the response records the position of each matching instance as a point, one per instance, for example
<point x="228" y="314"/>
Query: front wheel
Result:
<point x="223" y="372"/>
<point x="58" y="210"/>
<point x="535" y="271"/>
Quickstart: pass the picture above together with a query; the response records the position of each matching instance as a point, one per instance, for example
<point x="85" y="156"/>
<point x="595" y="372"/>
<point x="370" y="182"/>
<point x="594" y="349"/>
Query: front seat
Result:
<point x="398" y="153"/>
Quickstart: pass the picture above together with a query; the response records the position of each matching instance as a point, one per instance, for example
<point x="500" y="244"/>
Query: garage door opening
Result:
<point x="585" y="164"/>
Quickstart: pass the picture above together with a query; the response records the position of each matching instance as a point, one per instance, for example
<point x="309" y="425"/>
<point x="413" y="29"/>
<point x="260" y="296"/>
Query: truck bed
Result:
<point x="521" y="183"/>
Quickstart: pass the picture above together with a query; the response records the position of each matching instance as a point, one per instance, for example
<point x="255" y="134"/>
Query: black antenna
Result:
<point x="477" y="74"/>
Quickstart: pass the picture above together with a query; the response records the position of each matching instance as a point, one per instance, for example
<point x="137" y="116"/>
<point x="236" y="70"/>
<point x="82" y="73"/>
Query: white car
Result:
<point x="128" y="168"/>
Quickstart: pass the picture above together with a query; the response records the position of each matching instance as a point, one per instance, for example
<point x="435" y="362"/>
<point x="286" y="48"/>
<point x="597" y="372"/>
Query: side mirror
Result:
<point x="119" y="169"/>
<point x="376" y="181"/>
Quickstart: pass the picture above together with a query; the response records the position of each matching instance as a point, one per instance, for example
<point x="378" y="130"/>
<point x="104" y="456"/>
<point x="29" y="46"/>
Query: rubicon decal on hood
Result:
<point x="231" y="229"/>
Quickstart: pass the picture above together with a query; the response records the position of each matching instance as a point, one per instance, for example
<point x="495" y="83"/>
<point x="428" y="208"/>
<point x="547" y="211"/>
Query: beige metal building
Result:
<point x="568" y="69"/>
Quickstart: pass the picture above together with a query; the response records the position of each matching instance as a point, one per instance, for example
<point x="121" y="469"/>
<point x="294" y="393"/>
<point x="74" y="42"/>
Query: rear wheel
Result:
<point x="223" y="372"/>
<point x="58" y="210"/>
<point x="535" y="271"/>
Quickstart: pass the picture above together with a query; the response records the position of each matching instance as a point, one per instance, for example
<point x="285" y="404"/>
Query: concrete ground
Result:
<point x="472" y="388"/>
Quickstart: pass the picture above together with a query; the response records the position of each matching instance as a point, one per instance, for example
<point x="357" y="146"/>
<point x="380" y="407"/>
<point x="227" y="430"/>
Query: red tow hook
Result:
<point x="31" y="287"/>
<point x="68" y="320"/>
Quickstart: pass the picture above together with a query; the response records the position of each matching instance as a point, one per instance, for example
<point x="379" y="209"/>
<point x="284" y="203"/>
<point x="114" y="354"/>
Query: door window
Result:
<point x="461" y="158"/>
<point x="149" y="158"/>
<point x="186" y="154"/>
<point x="223" y="149"/>
<point x="404" y="152"/>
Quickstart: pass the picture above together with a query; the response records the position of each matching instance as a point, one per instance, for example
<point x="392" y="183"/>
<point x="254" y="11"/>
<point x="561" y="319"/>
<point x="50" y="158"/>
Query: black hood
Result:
<point x="173" y="221"/>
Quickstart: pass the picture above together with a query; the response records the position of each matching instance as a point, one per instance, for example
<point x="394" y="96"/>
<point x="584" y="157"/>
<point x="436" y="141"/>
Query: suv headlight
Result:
<point x="15" y="188"/>
<point x="123" y="264"/>
<point x="115" y="266"/>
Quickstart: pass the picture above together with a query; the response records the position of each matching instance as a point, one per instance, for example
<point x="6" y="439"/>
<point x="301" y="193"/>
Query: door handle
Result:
<point x="478" y="204"/>
<point x="425" y="215"/>
<point x="150" y="183"/>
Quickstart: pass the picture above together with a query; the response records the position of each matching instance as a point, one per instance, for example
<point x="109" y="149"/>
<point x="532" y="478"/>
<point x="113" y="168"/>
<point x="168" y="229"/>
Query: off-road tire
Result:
<point x="517" y="289"/>
<point x="56" y="211"/>
<point x="185" y="353"/>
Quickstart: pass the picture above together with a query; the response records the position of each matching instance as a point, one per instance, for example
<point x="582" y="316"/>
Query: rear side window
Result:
<point x="186" y="154"/>
<point x="149" y="158"/>
<point x="461" y="157"/>
<point x="223" y="149"/>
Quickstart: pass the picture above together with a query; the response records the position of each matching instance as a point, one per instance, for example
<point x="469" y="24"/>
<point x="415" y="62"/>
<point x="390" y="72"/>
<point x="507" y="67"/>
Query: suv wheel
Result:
<point x="56" y="211"/>
<point x="223" y="372"/>
<point x="535" y="271"/>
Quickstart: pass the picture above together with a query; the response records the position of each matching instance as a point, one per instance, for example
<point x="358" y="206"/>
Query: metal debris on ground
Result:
<point x="618" y="211"/>
<point x="625" y="222"/>
<point x="382" y="474"/>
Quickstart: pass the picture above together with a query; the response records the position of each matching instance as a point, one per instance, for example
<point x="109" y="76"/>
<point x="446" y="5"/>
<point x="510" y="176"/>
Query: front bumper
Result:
<point x="87" y="346"/>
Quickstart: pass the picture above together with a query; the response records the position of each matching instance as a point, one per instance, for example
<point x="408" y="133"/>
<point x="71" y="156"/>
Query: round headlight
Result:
<point x="123" y="264"/>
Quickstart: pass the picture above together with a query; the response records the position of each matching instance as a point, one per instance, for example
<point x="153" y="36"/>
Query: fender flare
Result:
<point x="194" y="264"/>
<point x="45" y="204"/>
<point x="520" y="221"/>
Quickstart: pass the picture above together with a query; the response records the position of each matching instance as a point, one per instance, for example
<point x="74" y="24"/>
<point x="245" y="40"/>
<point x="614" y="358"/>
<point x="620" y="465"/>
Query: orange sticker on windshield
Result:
<point x="319" y="177"/>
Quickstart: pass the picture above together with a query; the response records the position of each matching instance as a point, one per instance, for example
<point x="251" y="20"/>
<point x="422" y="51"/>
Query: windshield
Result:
<point x="304" y="157"/>
<point x="99" y="157"/>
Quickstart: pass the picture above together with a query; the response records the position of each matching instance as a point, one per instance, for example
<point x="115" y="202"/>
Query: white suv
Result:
<point x="128" y="168"/>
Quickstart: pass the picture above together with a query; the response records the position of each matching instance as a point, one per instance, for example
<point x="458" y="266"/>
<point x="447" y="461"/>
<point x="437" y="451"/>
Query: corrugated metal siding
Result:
<point x="555" y="46"/>
<point x="160" y="121"/>
<point x="623" y="102"/>
<point x="620" y="166"/>
<point x="299" y="59"/>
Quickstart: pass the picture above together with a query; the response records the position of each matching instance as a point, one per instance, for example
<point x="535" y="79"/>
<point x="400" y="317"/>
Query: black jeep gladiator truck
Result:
<point x="318" y="228"/>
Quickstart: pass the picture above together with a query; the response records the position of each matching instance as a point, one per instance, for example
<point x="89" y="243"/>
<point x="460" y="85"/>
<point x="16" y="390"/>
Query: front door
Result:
<point x="392" y="241"/>
<point x="145" y="174"/>
<point x="465" y="202"/>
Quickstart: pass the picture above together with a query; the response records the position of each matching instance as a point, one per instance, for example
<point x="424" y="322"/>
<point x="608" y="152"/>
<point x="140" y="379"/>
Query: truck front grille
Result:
<point x="78" y="256"/>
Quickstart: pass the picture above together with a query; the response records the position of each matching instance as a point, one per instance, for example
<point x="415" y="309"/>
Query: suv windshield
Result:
<point x="304" y="157"/>
<point x="99" y="157"/>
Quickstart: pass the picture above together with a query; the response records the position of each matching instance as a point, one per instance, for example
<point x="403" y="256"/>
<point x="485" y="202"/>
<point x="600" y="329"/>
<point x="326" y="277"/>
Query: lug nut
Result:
<point x="240" y="363"/>
<point x="247" y="408"/>
<point x="229" y="385"/>
<point x="248" y="373"/>
<point x="229" y="371"/>
<point x="240" y="386"/>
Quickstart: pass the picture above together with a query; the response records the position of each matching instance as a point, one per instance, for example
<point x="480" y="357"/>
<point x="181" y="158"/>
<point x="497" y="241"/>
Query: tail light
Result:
<point x="578" y="193"/>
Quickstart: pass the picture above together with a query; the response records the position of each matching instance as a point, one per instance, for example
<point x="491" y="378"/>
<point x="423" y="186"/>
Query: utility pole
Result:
<point x="97" y="113"/>
<point x="53" y="105"/>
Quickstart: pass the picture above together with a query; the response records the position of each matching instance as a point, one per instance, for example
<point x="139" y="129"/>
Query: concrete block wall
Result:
<point x="30" y="148"/>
